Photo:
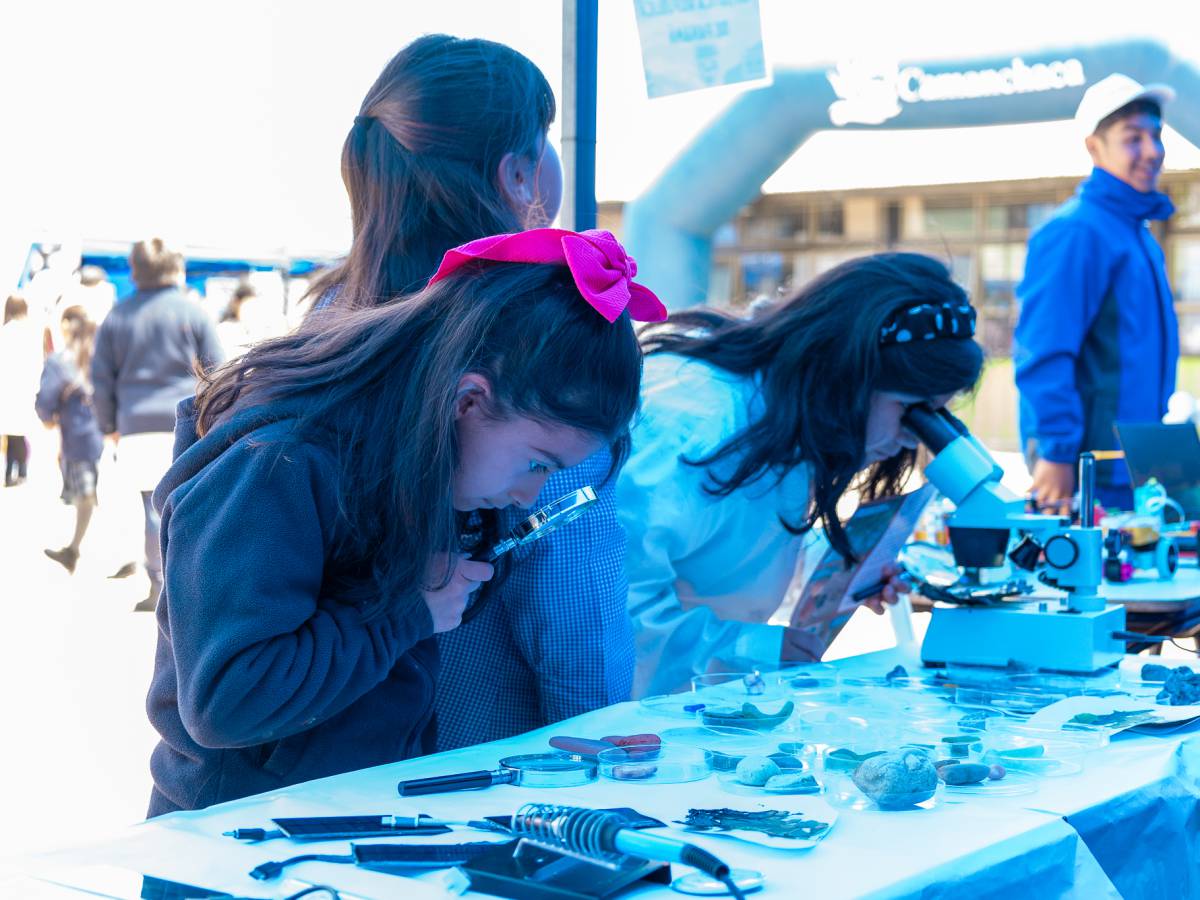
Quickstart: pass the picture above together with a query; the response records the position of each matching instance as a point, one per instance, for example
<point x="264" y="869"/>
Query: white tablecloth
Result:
<point x="1125" y="827"/>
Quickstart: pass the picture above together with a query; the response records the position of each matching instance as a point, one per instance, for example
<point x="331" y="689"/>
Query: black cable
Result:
<point x="333" y="894"/>
<point x="736" y="891"/>
<point x="270" y="870"/>
<point x="1183" y="648"/>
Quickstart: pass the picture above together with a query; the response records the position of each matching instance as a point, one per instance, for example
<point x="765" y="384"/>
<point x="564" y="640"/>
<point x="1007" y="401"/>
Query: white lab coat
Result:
<point x="705" y="573"/>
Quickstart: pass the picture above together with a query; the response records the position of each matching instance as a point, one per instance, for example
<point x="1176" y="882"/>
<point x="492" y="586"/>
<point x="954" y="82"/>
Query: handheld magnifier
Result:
<point x="544" y="521"/>
<point x="525" y="770"/>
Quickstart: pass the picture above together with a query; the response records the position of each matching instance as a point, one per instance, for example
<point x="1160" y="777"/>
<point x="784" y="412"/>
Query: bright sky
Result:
<point x="221" y="123"/>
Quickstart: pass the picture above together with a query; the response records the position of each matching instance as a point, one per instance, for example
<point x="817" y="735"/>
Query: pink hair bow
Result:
<point x="602" y="270"/>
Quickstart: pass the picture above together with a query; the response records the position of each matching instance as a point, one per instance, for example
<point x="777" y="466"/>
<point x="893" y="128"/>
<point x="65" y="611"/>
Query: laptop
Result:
<point x="1169" y="453"/>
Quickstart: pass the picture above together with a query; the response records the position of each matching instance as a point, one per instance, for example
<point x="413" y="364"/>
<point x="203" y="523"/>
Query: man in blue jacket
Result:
<point x="1097" y="340"/>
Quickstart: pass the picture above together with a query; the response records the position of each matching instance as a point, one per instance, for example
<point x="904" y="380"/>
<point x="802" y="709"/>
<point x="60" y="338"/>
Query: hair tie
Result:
<point x="928" y="321"/>
<point x="602" y="270"/>
<point x="363" y="121"/>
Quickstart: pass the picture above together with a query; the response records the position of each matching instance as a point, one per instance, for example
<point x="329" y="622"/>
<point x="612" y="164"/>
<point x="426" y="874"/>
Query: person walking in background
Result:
<point x="20" y="363"/>
<point x="233" y="330"/>
<point x="148" y="351"/>
<point x="1097" y="340"/>
<point x="65" y="399"/>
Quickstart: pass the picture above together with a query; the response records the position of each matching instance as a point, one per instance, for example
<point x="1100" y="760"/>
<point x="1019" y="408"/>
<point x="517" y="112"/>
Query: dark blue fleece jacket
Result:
<point x="262" y="677"/>
<point x="1097" y="341"/>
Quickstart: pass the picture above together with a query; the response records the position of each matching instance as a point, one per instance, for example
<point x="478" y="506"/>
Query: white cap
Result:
<point x="1108" y="95"/>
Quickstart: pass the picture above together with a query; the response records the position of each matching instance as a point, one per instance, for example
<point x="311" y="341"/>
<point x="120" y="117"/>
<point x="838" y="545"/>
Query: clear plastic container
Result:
<point x="727" y="745"/>
<point x="1013" y="784"/>
<point x="1044" y="752"/>
<point x="793" y="775"/>
<point x="772" y="714"/>
<point x="806" y="683"/>
<point x="911" y="784"/>
<point x="672" y="706"/>
<point x="655" y="764"/>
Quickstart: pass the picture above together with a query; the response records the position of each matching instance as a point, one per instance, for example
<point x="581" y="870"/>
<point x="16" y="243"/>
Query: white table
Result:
<point x="1121" y="828"/>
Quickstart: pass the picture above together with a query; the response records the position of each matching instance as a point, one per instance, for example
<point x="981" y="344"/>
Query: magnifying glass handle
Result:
<point x="463" y="781"/>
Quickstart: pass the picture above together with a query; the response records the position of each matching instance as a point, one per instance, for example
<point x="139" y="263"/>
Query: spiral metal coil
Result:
<point x="572" y="828"/>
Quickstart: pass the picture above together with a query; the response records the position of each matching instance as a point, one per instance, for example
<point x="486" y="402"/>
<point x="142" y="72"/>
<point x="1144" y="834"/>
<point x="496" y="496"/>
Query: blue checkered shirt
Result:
<point x="556" y="640"/>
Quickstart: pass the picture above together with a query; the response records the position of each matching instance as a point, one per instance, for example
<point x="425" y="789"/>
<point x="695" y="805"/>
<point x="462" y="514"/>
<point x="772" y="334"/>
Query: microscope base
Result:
<point x="1038" y="635"/>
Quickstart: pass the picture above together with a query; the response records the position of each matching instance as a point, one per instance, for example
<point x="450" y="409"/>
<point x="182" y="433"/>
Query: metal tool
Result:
<point x="527" y="770"/>
<point x="545" y="521"/>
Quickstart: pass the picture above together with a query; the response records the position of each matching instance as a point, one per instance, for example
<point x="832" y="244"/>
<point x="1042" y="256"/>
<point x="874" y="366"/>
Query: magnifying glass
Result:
<point x="526" y="770"/>
<point x="544" y="521"/>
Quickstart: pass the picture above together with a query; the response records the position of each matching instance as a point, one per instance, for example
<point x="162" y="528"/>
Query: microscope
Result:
<point x="1078" y="633"/>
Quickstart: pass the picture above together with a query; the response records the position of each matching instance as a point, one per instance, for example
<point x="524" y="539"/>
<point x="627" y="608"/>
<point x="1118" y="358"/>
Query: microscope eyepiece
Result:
<point x="929" y="426"/>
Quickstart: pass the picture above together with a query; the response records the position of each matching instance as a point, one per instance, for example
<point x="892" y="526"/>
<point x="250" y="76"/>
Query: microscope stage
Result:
<point x="1040" y="635"/>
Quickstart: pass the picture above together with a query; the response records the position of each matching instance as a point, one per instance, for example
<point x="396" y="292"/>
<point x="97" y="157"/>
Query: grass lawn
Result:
<point x="991" y="413"/>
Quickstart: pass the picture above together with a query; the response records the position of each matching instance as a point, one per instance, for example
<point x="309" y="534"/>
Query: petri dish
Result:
<point x="727" y="745"/>
<point x="771" y="715"/>
<point x="841" y="791"/>
<point x="701" y="885"/>
<point x="655" y="764"/>
<point x="673" y="706"/>
<point x="1013" y="784"/>
<point x="797" y="779"/>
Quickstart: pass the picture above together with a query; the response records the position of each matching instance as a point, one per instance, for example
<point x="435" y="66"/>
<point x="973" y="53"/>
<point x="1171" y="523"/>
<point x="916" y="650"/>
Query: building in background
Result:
<point x="980" y="229"/>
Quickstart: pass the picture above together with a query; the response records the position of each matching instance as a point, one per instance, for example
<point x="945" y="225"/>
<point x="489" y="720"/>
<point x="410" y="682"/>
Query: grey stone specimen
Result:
<point x="897" y="780"/>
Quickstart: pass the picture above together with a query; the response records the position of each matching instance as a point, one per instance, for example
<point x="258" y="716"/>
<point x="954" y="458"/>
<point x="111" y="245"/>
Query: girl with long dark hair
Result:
<point x="312" y="519"/>
<point x="450" y="144"/>
<point x="750" y="433"/>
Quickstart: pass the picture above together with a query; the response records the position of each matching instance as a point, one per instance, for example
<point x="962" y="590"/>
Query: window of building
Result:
<point x="944" y="217"/>
<point x="725" y="236"/>
<point x="1000" y="269"/>
<point x="773" y="227"/>
<point x="893" y="223"/>
<point x="1187" y="205"/>
<point x="763" y="274"/>
<point x="1185" y="286"/>
<point x="831" y="221"/>
<point x="720" y="285"/>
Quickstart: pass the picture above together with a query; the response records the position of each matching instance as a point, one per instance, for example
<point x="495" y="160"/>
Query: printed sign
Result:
<point x="688" y="45"/>
<point x="870" y="93"/>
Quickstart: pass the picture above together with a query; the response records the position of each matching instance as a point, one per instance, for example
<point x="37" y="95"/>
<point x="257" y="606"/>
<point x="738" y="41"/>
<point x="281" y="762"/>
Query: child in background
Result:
<point x="65" y="399"/>
<point x="312" y="519"/>
<point x="20" y="362"/>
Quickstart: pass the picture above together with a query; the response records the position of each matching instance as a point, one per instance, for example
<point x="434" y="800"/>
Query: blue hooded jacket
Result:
<point x="1097" y="341"/>
<point x="262" y="676"/>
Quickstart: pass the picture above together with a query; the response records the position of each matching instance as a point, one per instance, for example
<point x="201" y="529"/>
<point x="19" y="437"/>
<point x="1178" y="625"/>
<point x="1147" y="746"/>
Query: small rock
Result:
<point x="786" y="761"/>
<point x="963" y="773"/>
<point x="897" y="780"/>
<point x="754" y="683"/>
<point x="803" y="681"/>
<point x="634" y="773"/>
<point x="959" y="745"/>
<point x="1155" y="672"/>
<point x="897" y="672"/>
<point x="1182" y="688"/>
<point x="939" y="763"/>
<point x="792" y="783"/>
<point x="996" y="772"/>
<point x="755" y="770"/>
